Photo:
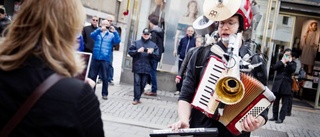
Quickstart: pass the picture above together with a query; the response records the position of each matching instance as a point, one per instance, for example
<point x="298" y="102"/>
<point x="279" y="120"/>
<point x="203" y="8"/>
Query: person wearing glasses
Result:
<point x="190" y="117"/>
<point x="88" y="41"/>
<point x="143" y="51"/>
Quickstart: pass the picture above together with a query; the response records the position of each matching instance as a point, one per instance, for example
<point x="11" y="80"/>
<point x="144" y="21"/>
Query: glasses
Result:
<point x="228" y="24"/>
<point x="94" y="20"/>
<point x="110" y="20"/>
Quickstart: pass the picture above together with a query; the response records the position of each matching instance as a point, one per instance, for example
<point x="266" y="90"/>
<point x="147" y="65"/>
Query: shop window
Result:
<point x="285" y="20"/>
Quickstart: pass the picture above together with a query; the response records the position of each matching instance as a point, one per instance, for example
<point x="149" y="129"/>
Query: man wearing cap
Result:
<point x="190" y="117"/>
<point x="157" y="36"/>
<point x="142" y="51"/>
<point x="4" y="21"/>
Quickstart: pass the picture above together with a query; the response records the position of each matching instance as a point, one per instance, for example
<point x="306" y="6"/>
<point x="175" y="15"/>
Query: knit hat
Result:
<point x="154" y="20"/>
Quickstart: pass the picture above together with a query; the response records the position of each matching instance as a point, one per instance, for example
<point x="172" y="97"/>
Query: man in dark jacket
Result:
<point x="4" y="21"/>
<point x="185" y="44"/>
<point x="157" y="36"/>
<point x="142" y="51"/>
<point x="88" y="41"/>
<point x="282" y="85"/>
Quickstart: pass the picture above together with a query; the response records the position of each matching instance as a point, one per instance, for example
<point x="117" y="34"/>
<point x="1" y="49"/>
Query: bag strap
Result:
<point x="31" y="100"/>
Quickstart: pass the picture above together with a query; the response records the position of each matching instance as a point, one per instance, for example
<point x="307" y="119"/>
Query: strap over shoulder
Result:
<point x="29" y="103"/>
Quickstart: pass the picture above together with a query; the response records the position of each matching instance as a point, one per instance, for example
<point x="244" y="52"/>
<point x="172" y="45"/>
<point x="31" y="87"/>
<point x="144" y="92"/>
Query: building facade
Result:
<point x="281" y="23"/>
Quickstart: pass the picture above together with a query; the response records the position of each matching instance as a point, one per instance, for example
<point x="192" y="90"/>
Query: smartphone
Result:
<point x="287" y="56"/>
<point x="87" y="59"/>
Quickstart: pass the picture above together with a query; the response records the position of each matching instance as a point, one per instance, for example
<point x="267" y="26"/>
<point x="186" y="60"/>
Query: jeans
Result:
<point x="140" y="81"/>
<point x="100" y="67"/>
<point x="110" y="73"/>
<point x="153" y="75"/>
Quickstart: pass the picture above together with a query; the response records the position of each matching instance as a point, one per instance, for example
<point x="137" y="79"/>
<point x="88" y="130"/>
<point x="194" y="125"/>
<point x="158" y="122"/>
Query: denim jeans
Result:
<point x="110" y="73"/>
<point x="100" y="67"/>
<point x="153" y="75"/>
<point x="110" y="69"/>
<point x="140" y="81"/>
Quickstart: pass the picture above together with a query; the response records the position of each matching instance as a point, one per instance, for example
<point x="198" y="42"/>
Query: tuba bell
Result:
<point x="229" y="88"/>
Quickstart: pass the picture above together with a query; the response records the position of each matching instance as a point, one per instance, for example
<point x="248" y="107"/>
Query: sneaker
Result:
<point x="177" y="93"/>
<point x="105" y="97"/>
<point x="150" y="93"/>
<point x="136" y="102"/>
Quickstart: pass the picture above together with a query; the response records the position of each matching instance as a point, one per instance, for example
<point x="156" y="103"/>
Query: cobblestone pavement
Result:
<point x="122" y="119"/>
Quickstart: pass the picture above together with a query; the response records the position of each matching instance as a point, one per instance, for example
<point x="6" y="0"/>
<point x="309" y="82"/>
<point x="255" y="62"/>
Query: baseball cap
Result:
<point x="146" y="31"/>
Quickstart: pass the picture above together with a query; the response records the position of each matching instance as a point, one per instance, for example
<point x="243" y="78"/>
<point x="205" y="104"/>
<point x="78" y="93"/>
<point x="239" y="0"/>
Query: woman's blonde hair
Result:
<point x="47" y="29"/>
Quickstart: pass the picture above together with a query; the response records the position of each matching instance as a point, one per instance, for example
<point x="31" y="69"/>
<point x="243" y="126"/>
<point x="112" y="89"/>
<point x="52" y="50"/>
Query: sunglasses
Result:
<point x="94" y="20"/>
<point x="110" y="20"/>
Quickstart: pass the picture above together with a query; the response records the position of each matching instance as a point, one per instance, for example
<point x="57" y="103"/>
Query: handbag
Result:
<point x="27" y="105"/>
<point x="295" y="85"/>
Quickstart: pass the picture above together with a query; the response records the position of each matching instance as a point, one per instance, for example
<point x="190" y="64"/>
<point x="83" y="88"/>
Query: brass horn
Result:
<point x="229" y="88"/>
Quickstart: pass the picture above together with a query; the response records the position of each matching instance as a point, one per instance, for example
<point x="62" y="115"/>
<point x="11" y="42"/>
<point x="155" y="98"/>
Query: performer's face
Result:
<point x="227" y="27"/>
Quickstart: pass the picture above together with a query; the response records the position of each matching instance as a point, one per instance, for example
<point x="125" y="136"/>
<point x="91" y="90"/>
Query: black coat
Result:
<point x="283" y="81"/>
<point x="141" y="62"/>
<point x="88" y="41"/>
<point x="68" y="109"/>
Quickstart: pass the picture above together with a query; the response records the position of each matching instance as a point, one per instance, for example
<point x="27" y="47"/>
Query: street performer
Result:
<point x="190" y="117"/>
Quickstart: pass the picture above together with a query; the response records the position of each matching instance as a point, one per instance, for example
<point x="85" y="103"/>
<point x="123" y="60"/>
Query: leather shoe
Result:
<point x="105" y="97"/>
<point x="288" y="114"/>
<point x="136" y="102"/>
<point x="150" y="93"/>
<point x="279" y="121"/>
<point x="272" y="119"/>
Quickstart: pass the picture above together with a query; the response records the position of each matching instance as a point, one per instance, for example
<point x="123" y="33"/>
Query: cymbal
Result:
<point x="218" y="10"/>
<point x="203" y="26"/>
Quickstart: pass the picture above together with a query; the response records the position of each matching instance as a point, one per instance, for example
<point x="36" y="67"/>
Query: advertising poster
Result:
<point x="174" y="17"/>
<point x="309" y="40"/>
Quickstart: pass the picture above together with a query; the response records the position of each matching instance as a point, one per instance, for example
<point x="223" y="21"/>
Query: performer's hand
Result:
<point x="180" y="124"/>
<point x="251" y="123"/>
<point x="177" y="80"/>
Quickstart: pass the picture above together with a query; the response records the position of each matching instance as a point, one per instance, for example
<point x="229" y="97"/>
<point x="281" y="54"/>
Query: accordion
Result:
<point x="256" y="99"/>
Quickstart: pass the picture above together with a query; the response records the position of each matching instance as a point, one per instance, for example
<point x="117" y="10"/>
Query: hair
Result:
<point x="189" y="3"/>
<point x="312" y="23"/>
<point x="294" y="54"/>
<point x="241" y="25"/>
<point x="46" y="29"/>
<point x="2" y="11"/>
<point x="286" y="50"/>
